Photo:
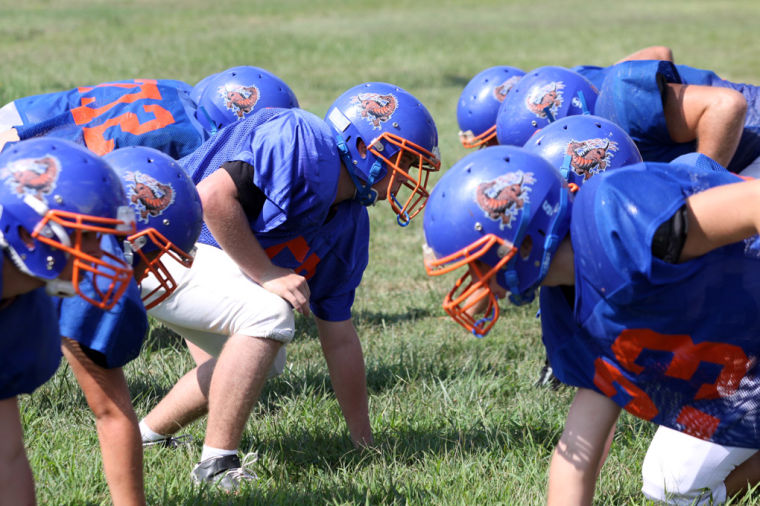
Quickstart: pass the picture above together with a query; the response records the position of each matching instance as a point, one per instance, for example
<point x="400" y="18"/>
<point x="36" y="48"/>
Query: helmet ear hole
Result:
<point x="361" y="147"/>
<point x="526" y="247"/>
<point x="26" y="238"/>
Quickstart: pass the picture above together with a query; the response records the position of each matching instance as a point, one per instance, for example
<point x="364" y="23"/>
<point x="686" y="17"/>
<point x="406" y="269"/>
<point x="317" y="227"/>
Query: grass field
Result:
<point x="456" y="419"/>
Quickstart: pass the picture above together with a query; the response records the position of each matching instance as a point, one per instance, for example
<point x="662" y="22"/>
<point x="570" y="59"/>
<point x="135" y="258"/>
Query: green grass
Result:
<point x="456" y="419"/>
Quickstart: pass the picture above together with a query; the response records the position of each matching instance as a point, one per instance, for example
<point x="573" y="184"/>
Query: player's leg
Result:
<point x="214" y="300"/>
<point x="108" y="397"/>
<point x="184" y="403"/>
<point x="16" y="481"/>
<point x="681" y="469"/>
<point x="239" y="376"/>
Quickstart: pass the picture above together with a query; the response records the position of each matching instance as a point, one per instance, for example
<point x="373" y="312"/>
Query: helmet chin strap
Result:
<point x="364" y="193"/>
<point x="212" y="125"/>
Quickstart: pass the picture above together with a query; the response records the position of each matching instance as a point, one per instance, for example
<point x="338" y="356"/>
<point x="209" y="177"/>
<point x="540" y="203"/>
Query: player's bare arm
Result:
<point x="721" y="215"/>
<point x="575" y="463"/>
<point x="226" y="220"/>
<point x="713" y="116"/>
<point x="345" y="360"/>
<point x="650" y="53"/>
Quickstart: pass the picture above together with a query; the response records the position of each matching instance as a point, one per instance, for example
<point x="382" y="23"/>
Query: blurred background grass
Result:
<point x="457" y="420"/>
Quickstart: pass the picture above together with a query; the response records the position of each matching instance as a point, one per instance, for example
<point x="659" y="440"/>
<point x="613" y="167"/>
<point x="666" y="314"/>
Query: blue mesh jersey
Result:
<point x="296" y="165"/>
<point x="631" y="96"/>
<point x="30" y="346"/>
<point x="675" y="344"/>
<point x="117" y="333"/>
<point x="136" y="112"/>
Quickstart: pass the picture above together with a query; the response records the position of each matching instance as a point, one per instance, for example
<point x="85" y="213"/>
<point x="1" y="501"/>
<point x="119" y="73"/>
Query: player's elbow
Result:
<point x="660" y="53"/>
<point x="731" y="104"/>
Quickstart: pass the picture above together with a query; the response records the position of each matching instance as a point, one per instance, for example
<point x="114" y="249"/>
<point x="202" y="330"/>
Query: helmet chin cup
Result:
<point x="471" y="294"/>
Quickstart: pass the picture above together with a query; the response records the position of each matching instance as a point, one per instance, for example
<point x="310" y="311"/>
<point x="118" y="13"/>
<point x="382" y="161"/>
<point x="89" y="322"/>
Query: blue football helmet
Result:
<point x="379" y="126"/>
<point x="52" y="192"/>
<point x="198" y="89"/>
<point x="581" y="146"/>
<point x="479" y="103"/>
<point x="542" y="96"/>
<point x="235" y="93"/>
<point x="168" y="211"/>
<point x="501" y="212"/>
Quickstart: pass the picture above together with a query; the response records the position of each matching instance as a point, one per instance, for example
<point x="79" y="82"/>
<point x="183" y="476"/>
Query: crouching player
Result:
<point x="165" y="114"/>
<point x="98" y="342"/>
<point x="665" y="291"/>
<point x="56" y="201"/>
<point x="286" y="230"/>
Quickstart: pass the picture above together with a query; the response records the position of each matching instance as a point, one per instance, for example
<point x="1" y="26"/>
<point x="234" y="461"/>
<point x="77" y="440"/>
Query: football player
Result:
<point x="663" y="288"/>
<point x="56" y="201"/>
<point x="97" y="343"/>
<point x="164" y="114"/>
<point x="286" y="229"/>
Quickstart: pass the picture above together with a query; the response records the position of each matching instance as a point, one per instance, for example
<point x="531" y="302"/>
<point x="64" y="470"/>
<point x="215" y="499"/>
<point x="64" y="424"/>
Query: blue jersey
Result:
<point x="30" y="346"/>
<point x="117" y="333"/>
<point x="136" y="112"/>
<point x="672" y="343"/>
<point x="631" y="96"/>
<point x="296" y="166"/>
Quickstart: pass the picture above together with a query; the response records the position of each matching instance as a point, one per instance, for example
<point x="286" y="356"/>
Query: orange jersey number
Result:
<point x="128" y="121"/>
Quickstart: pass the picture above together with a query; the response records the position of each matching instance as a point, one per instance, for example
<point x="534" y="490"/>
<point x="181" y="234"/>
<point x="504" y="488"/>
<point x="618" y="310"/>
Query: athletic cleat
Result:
<point x="226" y="472"/>
<point x="547" y="378"/>
<point x="171" y="441"/>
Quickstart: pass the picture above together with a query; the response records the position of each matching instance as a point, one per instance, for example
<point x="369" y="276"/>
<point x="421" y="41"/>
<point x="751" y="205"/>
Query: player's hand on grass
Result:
<point x="288" y="285"/>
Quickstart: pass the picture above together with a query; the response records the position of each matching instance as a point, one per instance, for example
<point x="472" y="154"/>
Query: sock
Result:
<point x="209" y="452"/>
<point x="147" y="433"/>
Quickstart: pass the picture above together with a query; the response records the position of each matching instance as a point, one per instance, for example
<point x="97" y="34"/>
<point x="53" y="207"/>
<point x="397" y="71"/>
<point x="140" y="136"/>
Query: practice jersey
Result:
<point x="156" y="113"/>
<point x="675" y="344"/>
<point x="296" y="166"/>
<point x="117" y="334"/>
<point x="631" y="96"/>
<point x="30" y="346"/>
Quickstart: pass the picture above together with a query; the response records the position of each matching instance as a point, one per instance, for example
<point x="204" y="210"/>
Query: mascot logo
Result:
<point x="32" y="176"/>
<point x="376" y="108"/>
<point x="500" y="92"/>
<point x="149" y="197"/>
<point x="591" y="156"/>
<point x="545" y="100"/>
<point x="240" y="99"/>
<point x="502" y="199"/>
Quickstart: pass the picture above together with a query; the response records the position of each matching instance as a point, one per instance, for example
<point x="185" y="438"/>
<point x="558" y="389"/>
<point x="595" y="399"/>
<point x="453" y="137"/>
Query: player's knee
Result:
<point x="677" y="483"/>
<point x="276" y="321"/>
